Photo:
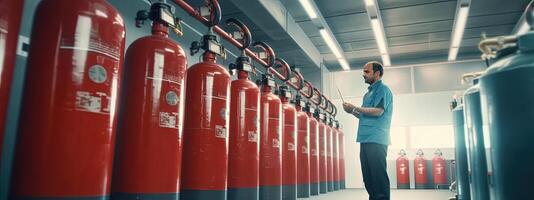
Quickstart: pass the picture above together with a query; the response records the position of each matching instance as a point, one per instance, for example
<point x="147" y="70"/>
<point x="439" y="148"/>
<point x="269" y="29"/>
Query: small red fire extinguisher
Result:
<point x="403" y="171"/>
<point x="421" y="179"/>
<point x="438" y="169"/>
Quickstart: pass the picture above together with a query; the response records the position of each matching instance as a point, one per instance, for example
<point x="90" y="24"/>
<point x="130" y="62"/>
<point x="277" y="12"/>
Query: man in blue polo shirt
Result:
<point x="373" y="131"/>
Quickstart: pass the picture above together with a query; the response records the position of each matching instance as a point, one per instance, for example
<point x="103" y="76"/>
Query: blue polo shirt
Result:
<point x="376" y="129"/>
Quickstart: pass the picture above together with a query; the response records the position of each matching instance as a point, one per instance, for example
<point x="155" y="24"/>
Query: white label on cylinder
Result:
<point x="290" y="146"/>
<point x="304" y="150"/>
<point x="252" y="136"/>
<point x="220" y="131"/>
<point x="276" y="143"/>
<point x="94" y="102"/>
<point x="168" y="120"/>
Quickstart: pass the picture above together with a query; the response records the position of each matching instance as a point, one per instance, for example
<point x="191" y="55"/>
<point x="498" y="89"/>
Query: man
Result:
<point x="373" y="131"/>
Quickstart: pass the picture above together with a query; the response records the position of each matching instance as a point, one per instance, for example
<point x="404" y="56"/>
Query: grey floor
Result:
<point x="361" y="194"/>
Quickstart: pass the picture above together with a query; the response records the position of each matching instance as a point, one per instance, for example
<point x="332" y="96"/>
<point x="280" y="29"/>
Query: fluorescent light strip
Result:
<point x="330" y="42"/>
<point x="461" y="20"/>
<point x="344" y="64"/>
<point x="459" y="28"/>
<point x="379" y="36"/>
<point x="369" y="3"/>
<point x="453" y="53"/>
<point x="309" y="8"/>
<point x="386" y="60"/>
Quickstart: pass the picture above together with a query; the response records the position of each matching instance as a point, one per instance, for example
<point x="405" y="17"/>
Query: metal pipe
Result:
<point x="300" y="81"/>
<point x="189" y="9"/>
<point x="223" y="34"/>
<point x="490" y="46"/>
<point x="468" y="77"/>
<point x="324" y="102"/>
<point x="309" y="89"/>
<point x="329" y="106"/>
<point x="247" y="36"/>
<point x="316" y="98"/>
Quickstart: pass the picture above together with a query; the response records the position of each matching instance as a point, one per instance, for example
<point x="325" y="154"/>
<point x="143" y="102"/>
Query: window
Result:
<point x="432" y="137"/>
<point x="398" y="137"/>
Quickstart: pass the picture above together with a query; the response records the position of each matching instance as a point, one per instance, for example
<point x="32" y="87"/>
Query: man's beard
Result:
<point x="369" y="80"/>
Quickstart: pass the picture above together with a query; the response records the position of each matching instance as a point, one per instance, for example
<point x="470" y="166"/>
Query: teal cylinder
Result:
<point x="476" y="144"/>
<point x="462" y="174"/>
<point x="507" y="97"/>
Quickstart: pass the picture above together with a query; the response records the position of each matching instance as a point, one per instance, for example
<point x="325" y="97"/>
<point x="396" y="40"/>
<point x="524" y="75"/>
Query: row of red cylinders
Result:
<point x="439" y="171"/>
<point x="300" y="142"/>
<point x="71" y="108"/>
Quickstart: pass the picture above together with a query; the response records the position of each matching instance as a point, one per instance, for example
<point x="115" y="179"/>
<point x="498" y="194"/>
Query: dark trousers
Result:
<point x="375" y="176"/>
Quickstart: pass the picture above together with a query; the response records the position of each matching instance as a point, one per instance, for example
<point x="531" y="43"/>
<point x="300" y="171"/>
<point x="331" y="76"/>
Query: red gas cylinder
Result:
<point x="244" y="154"/>
<point x="303" y="153"/>
<point x="403" y="171"/>
<point x="329" y="154"/>
<point x="439" y="171"/>
<point x="341" y="158"/>
<point x="314" y="149"/>
<point x="205" y="146"/>
<point x="421" y="180"/>
<point x="323" y="181"/>
<point x="335" y="152"/>
<point x="289" y="145"/>
<point x="149" y="154"/>
<point x="270" y="140"/>
<point x="10" y="14"/>
<point x="68" y="121"/>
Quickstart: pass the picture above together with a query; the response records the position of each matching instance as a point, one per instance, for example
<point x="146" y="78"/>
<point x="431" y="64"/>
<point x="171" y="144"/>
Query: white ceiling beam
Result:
<point x="460" y="20"/>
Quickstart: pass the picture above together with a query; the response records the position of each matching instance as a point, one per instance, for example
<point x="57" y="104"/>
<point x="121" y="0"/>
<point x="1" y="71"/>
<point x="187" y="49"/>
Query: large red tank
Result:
<point x="403" y="171"/>
<point x="303" y="150"/>
<point x="207" y="102"/>
<point x="289" y="146"/>
<point x="439" y="172"/>
<point x="68" y="121"/>
<point x="270" y="140"/>
<point x="10" y="15"/>
<point x="149" y="150"/>
<point x="314" y="149"/>
<point x="329" y="154"/>
<point x="419" y="164"/>
<point x="323" y="181"/>
<point x="335" y="154"/>
<point x="244" y="153"/>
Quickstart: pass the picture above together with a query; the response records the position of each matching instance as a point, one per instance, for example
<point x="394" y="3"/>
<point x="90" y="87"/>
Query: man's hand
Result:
<point x="348" y="107"/>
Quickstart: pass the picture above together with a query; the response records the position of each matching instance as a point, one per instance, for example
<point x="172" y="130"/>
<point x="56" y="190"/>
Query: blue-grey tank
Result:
<point x="476" y="144"/>
<point x="507" y="97"/>
<point x="462" y="174"/>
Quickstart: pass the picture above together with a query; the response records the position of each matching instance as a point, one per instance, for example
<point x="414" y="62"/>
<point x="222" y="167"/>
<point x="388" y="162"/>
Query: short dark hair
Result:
<point x="377" y="66"/>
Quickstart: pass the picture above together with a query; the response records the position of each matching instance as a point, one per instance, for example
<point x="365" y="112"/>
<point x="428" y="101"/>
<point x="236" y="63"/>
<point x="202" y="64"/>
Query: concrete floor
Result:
<point x="361" y="194"/>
